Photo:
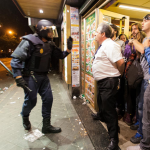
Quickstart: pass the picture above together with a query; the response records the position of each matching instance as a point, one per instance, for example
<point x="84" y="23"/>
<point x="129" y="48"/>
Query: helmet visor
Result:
<point x="51" y="29"/>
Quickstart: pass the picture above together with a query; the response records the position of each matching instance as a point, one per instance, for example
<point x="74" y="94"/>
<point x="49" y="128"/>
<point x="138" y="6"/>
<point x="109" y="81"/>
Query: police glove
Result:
<point x="22" y="83"/>
<point x="69" y="42"/>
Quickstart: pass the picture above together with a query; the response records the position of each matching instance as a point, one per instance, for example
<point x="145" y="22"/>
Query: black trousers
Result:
<point x="106" y="98"/>
<point x="120" y="96"/>
<point x="130" y="96"/>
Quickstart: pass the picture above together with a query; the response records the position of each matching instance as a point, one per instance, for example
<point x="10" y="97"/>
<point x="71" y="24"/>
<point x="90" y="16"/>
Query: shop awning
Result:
<point x="31" y="8"/>
<point x="52" y="9"/>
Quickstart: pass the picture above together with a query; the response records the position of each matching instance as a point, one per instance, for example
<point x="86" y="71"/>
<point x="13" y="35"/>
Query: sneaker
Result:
<point x="137" y="147"/>
<point x="135" y="126"/>
<point x="137" y="138"/>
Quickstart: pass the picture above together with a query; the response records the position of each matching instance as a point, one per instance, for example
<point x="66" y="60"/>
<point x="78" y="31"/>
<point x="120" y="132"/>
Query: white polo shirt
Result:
<point x="104" y="64"/>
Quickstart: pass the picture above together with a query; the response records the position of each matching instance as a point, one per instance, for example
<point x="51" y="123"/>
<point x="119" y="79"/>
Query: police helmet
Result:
<point x="43" y="28"/>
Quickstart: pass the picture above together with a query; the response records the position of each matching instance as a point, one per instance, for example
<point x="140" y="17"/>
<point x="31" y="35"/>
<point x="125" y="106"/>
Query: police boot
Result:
<point x="48" y="128"/>
<point x="113" y="144"/>
<point x="26" y="123"/>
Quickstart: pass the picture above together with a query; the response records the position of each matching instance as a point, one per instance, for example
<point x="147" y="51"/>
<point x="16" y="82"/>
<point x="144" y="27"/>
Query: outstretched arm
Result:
<point x="138" y="46"/>
<point x="57" y="53"/>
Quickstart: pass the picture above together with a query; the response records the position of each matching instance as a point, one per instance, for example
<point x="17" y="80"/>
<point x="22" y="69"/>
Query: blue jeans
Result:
<point x="145" y="142"/>
<point x="137" y="103"/>
<point x="42" y="86"/>
<point x="140" y="105"/>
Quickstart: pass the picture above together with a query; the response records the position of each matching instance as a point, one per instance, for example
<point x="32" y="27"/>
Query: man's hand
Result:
<point x="69" y="42"/>
<point x="130" y="42"/>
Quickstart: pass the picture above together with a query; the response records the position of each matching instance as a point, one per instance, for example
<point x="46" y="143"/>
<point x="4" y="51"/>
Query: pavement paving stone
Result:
<point x="17" y="148"/>
<point x="8" y="146"/>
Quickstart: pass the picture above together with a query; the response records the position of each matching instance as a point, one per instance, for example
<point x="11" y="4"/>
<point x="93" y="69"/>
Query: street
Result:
<point x="5" y="79"/>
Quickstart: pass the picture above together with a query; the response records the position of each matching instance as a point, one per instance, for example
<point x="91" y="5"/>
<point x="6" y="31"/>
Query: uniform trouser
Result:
<point x="140" y="105"/>
<point x="106" y="99"/>
<point x="42" y="86"/>
<point x="145" y="142"/>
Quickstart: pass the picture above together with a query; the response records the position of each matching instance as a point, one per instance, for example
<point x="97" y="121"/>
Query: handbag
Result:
<point x="135" y="74"/>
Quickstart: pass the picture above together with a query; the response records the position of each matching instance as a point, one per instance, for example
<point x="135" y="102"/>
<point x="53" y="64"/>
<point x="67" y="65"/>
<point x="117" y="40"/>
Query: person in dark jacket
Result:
<point x="30" y="65"/>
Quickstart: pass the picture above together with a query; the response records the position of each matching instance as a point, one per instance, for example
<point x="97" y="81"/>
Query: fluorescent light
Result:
<point x="133" y="8"/>
<point x="53" y="27"/>
<point x="41" y="11"/>
<point x="29" y="21"/>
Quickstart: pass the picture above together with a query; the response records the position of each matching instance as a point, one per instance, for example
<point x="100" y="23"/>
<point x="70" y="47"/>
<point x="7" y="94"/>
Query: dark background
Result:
<point x="12" y="19"/>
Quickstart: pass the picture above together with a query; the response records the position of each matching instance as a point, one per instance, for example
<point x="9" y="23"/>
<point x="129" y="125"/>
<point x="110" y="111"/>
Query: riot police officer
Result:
<point x="30" y="65"/>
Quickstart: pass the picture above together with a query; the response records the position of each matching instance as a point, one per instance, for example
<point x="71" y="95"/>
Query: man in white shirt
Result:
<point x="108" y="66"/>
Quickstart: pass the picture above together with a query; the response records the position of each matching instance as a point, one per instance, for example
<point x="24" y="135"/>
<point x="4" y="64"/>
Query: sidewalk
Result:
<point x="79" y="131"/>
<point x="72" y="137"/>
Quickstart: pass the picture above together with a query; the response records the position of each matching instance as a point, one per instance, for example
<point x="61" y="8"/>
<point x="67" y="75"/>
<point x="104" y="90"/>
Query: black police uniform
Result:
<point x="31" y="59"/>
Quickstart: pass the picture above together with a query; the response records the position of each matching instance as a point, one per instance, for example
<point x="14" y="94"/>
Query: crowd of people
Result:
<point x="121" y="69"/>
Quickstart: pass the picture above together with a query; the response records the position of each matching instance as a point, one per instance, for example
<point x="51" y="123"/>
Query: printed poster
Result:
<point x="75" y="33"/>
<point x="74" y="16"/>
<point x="90" y="42"/>
<point x="82" y="82"/>
<point x="90" y="52"/>
<point x="75" y="66"/>
<point x="89" y="88"/>
<point x="82" y="46"/>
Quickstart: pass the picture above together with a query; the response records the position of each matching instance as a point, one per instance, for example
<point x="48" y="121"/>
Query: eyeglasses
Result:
<point x="147" y="17"/>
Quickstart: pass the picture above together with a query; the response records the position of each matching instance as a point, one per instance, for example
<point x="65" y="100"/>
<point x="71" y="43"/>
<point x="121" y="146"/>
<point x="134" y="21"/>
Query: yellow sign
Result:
<point x="41" y="51"/>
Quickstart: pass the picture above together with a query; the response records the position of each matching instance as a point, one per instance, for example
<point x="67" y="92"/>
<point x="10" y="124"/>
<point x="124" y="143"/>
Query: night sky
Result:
<point x="12" y="19"/>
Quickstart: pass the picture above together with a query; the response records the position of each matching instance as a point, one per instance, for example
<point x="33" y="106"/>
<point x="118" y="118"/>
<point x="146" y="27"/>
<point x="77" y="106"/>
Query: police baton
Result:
<point x="6" y="68"/>
<point x="12" y="75"/>
<point x="27" y="88"/>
